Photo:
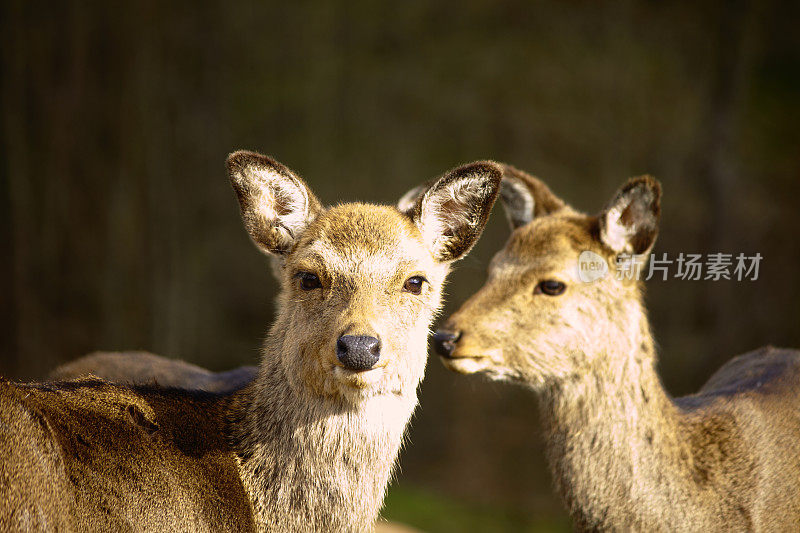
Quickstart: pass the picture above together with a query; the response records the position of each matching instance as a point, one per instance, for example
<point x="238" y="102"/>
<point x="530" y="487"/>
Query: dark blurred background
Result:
<point x="118" y="229"/>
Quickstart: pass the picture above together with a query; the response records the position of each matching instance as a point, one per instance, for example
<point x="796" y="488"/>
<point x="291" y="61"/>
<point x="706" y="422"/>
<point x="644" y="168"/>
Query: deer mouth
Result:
<point x="466" y="364"/>
<point x="360" y="379"/>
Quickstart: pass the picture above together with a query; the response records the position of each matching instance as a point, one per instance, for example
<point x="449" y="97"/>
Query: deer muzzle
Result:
<point x="358" y="352"/>
<point x="444" y="342"/>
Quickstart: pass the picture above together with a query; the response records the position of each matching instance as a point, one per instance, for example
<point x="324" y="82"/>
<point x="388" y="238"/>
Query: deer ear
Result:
<point x="629" y="224"/>
<point x="410" y="200"/>
<point x="452" y="213"/>
<point x="276" y="204"/>
<point x="525" y="197"/>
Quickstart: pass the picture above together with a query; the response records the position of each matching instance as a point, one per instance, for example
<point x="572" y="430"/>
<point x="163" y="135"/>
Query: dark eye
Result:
<point x="309" y="281"/>
<point x="550" y="287"/>
<point x="414" y="284"/>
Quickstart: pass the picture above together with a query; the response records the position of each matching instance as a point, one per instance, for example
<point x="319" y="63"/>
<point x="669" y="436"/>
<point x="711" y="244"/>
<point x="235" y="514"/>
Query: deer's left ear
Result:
<point x="452" y="213"/>
<point x="525" y="197"/>
<point x="629" y="224"/>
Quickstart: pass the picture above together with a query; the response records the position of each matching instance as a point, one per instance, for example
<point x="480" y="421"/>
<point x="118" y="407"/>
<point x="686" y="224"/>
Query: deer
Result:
<point x="625" y="455"/>
<point x="145" y="368"/>
<point x="309" y="444"/>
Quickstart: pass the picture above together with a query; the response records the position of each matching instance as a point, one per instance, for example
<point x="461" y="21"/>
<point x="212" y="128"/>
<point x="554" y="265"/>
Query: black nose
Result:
<point x="444" y="342"/>
<point x="358" y="352"/>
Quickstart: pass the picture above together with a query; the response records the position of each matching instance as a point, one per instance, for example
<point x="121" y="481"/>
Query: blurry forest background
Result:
<point x="118" y="229"/>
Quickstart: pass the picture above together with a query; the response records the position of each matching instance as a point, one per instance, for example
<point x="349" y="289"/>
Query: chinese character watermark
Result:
<point x="692" y="267"/>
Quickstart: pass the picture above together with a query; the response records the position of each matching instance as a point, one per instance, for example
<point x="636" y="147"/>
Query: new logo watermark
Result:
<point x="692" y="267"/>
<point x="591" y="266"/>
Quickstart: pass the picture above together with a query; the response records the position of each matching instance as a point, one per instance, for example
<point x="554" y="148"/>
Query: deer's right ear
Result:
<point x="525" y="197"/>
<point x="452" y="213"/>
<point x="629" y="223"/>
<point x="276" y="204"/>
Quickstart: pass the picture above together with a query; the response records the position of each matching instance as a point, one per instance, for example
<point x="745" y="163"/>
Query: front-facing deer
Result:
<point x="309" y="445"/>
<point x="624" y="455"/>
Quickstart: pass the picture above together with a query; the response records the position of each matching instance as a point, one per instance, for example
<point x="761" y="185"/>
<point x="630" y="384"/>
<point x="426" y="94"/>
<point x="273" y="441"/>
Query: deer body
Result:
<point x="89" y="456"/>
<point x="309" y="443"/>
<point x="624" y="454"/>
<point x="627" y="456"/>
<point x="144" y="368"/>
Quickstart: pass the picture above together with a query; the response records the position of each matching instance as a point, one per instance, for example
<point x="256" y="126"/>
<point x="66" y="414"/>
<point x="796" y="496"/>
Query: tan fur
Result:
<point x="308" y="445"/>
<point x="624" y="455"/>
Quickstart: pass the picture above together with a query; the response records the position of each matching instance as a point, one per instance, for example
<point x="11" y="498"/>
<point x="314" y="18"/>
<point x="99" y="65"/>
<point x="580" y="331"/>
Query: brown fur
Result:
<point x="624" y="455"/>
<point x="143" y="368"/>
<point x="88" y="456"/>
<point x="308" y="445"/>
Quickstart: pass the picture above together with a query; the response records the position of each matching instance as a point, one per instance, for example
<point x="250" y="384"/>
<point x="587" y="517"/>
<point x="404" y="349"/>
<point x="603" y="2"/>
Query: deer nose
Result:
<point x="358" y="352"/>
<point x="444" y="342"/>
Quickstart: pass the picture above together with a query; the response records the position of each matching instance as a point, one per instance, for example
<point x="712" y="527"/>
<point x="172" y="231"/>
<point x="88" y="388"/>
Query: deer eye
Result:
<point x="414" y="284"/>
<point x="308" y="281"/>
<point x="550" y="287"/>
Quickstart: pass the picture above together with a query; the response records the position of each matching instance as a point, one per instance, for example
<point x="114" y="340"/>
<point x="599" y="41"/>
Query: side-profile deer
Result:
<point x="307" y="446"/>
<point x="625" y="456"/>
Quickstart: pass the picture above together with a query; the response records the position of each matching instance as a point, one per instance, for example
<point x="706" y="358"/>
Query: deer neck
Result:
<point x="314" y="464"/>
<point x="615" y="439"/>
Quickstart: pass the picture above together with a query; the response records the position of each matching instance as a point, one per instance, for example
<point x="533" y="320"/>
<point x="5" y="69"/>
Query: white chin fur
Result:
<point x="358" y="386"/>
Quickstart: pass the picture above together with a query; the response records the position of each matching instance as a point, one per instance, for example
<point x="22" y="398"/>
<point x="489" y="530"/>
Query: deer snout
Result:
<point x="444" y="342"/>
<point x="358" y="352"/>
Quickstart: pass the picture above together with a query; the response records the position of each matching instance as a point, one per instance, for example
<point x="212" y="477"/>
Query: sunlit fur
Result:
<point x="624" y="455"/>
<point x="308" y="445"/>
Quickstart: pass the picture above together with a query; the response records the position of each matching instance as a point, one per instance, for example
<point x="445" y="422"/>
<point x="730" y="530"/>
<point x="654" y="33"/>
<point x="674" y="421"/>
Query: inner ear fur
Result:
<point x="525" y="197"/>
<point x="629" y="223"/>
<point x="452" y="213"/>
<point x="275" y="203"/>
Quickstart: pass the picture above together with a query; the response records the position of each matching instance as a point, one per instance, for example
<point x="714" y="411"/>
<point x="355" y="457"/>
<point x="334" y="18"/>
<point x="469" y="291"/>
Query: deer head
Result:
<point x="537" y="319"/>
<point x="360" y="284"/>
